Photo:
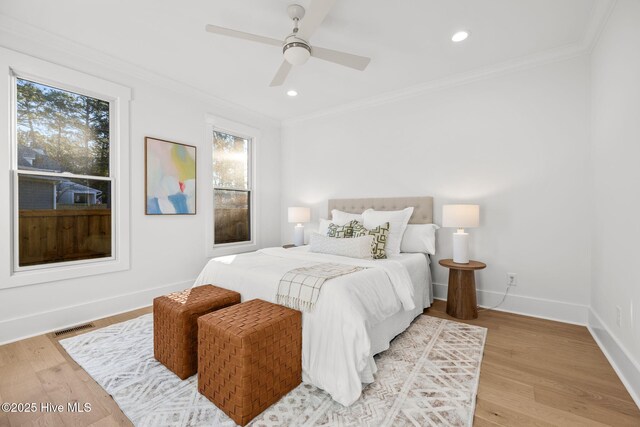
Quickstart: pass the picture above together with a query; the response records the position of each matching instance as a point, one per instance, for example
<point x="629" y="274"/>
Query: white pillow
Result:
<point x="342" y="218"/>
<point x="397" y="224"/>
<point x="419" y="238"/>
<point x="323" y="228"/>
<point x="356" y="247"/>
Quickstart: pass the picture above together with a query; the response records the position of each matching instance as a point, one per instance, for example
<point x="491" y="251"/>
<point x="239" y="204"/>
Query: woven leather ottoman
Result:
<point x="249" y="356"/>
<point x="175" y="325"/>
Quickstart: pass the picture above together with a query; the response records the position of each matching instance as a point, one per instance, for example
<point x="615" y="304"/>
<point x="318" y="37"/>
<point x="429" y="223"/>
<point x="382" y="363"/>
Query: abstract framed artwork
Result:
<point x="170" y="174"/>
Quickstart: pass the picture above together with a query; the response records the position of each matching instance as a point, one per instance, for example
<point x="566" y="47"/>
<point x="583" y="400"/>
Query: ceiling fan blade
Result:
<point x="342" y="58"/>
<point x="315" y="14"/>
<point x="281" y="74"/>
<point x="242" y="35"/>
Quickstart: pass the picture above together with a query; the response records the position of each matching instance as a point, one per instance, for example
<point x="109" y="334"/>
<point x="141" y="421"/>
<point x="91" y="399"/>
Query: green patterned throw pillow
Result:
<point x="380" y="235"/>
<point x="341" y="231"/>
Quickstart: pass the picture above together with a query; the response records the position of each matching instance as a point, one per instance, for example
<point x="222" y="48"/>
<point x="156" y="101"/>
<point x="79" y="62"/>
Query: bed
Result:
<point x="356" y="316"/>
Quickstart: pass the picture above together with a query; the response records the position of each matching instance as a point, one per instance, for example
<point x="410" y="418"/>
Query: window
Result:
<point x="64" y="180"/>
<point x="69" y="166"/>
<point x="82" y="199"/>
<point x="231" y="188"/>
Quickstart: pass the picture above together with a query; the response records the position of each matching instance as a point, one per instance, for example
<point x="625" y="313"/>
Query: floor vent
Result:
<point x="73" y="329"/>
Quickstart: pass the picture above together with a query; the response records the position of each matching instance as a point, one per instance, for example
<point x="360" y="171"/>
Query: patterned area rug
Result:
<point x="429" y="377"/>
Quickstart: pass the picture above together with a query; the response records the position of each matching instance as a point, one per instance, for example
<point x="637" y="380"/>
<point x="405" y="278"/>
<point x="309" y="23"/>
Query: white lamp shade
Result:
<point x="460" y="216"/>
<point x="299" y="215"/>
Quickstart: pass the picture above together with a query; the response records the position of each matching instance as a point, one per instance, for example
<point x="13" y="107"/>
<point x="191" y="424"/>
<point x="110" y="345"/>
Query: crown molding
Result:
<point x="47" y="46"/>
<point x="598" y="17"/>
<point x="600" y="14"/>
<point x="507" y="67"/>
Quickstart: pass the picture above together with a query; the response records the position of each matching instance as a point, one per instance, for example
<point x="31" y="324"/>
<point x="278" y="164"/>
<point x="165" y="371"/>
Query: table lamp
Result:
<point x="460" y="217"/>
<point x="298" y="215"/>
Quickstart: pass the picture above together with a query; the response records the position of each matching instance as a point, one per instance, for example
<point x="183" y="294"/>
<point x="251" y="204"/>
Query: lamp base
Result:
<point x="461" y="248"/>
<point x="298" y="235"/>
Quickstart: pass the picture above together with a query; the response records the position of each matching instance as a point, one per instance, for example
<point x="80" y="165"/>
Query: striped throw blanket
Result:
<point x="300" y="288"/>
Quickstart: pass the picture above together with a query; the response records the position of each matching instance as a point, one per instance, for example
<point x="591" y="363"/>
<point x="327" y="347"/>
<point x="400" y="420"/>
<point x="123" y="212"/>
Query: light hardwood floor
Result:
<point x="534" y="372"/>
<point x="539" y="372"/>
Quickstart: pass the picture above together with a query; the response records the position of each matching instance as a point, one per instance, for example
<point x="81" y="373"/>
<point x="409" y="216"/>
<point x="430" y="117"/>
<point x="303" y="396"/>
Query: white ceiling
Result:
<point x="408" y="41"/>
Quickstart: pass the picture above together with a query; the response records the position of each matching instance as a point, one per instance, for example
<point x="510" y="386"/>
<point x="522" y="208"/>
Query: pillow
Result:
<point x="341" y="231"/>
<point x="397" y="224"/>
<point x="380" y="235"/>
<point x="342" y="218"/>
<point x="358" y="247"/>
<point x="419" y="238"/>
<point x="324" y="226"/>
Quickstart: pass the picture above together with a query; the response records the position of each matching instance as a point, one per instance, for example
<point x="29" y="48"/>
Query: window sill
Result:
<point x="231" y="249"/>
<point x="27" y="277"/>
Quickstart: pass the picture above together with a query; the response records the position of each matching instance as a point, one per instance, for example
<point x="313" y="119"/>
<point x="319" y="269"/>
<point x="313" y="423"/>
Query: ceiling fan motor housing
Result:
<point x="296" y="51"/>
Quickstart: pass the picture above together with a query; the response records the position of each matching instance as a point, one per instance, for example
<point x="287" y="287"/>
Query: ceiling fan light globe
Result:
<point x="296" y="53"/>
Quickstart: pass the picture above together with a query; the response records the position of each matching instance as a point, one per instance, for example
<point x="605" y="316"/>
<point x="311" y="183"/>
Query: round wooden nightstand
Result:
<point x="461" y="295"/>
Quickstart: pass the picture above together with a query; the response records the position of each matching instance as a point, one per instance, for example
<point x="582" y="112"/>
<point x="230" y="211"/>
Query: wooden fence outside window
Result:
<point x="59" y="235"/>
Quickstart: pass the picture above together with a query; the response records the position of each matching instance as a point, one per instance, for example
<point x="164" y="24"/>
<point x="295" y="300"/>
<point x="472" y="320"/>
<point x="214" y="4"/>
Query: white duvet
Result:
<point x="336" y="347"/>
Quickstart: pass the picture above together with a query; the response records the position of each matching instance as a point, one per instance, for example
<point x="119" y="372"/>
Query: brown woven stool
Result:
<point x="175" y="325"/>
<point x="249" y="356"/>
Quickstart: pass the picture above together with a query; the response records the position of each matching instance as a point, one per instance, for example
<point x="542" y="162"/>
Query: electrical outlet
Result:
<point x="512" y="279"/>
<point x="618" y="316"/>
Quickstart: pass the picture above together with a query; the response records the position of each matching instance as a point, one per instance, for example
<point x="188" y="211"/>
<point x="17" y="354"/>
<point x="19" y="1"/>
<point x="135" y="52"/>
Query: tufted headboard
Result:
<point x="422" y="206"/>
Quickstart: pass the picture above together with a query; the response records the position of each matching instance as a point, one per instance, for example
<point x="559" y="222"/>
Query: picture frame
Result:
<point x="170" y="170"/>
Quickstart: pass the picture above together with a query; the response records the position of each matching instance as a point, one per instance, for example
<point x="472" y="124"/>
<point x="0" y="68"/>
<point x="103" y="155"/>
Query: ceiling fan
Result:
<point x="295" y="47"/>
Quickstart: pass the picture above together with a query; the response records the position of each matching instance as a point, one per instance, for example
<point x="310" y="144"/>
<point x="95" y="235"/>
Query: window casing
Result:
<point x="33" y="187"/>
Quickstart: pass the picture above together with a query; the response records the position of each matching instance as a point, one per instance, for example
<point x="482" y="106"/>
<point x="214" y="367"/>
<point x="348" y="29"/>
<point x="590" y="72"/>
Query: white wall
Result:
<point x="168" y="252"/>
<point x="615" y="82"/>
<point x="516" y="144"/>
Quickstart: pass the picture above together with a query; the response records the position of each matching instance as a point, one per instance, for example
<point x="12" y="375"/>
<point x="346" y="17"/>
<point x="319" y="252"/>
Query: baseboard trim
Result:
<point x="626" y="367"/>
<point x="541" y="308"/>
<point x="19" y="328"/>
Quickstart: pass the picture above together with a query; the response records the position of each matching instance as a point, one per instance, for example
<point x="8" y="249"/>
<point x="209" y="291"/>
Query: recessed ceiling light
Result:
<point x="460" y="36"/>
<point x="292" y="93"/>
